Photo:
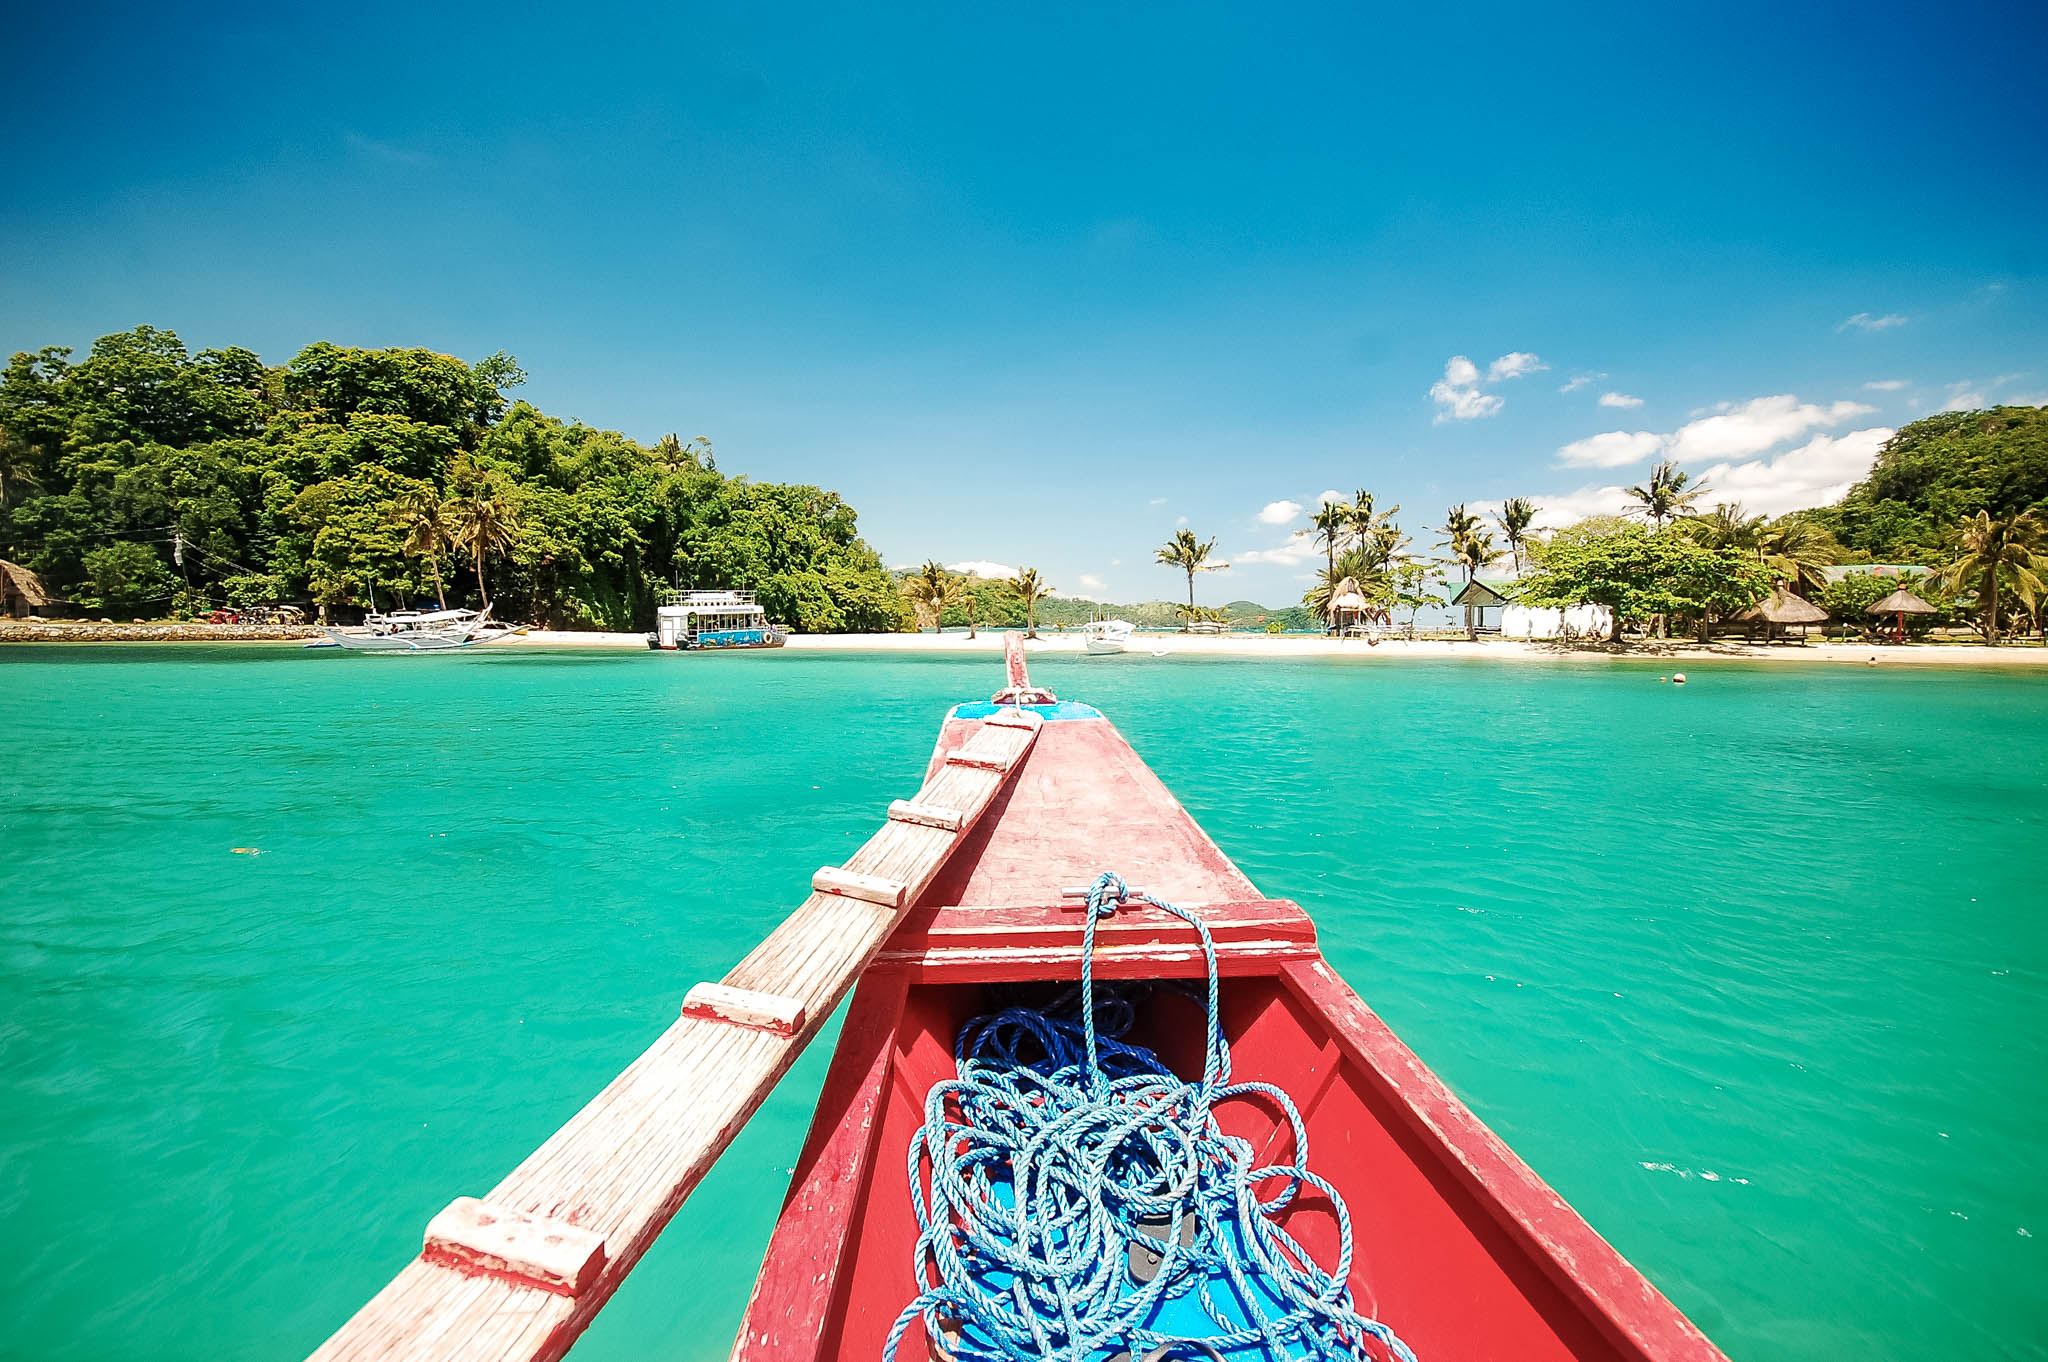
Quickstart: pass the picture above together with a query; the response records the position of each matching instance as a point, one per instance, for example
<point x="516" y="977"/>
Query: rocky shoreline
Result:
<point x="85" y="631"/>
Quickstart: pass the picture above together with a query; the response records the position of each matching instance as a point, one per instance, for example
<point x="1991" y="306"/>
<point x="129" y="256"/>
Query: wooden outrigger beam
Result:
<point x="517" y="1275"/>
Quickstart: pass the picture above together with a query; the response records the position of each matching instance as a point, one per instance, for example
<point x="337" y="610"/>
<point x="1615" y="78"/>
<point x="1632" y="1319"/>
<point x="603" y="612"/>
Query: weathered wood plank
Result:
<point x="831" y="879"/>
<point x="545" y="1253"/>
<point x="744" y="1007"/>
<point x="927" y="815"/>
<point x="983" y="944"/>
<point x="620" y="1168"/>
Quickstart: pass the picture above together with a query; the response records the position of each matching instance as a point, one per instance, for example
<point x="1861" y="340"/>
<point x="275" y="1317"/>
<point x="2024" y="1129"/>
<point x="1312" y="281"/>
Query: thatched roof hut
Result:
<point x="22" y="592"/>
<point x="1900" y="602"/>
<point x="1349" y="605"/>
<point x="1782" y="607"/>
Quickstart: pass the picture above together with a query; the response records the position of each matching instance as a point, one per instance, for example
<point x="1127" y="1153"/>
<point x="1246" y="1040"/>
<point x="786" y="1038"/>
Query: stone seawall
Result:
<point x="81" y="631"/>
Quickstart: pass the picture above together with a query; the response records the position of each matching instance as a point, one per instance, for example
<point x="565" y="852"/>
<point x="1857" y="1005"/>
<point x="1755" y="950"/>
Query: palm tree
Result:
<point x="1461" y="533"/>
<point x="1329" y="525"/>
<point x="1727" y="526"/>
<point x="1797" y="550"/>
<point x="425" y="521"/>
<point x="1030" y="588"/>
<point x="1992" y="554"/>
<point x="482" y="521"/>
<point x="1516" y="515"/>
<point x="1190" y="555"/>
<point x="933" y="590"/>
<point x="1668" y="493"/>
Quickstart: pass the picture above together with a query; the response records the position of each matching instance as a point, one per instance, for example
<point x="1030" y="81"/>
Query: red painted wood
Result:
<point x="791" y="1305"/>
<point x="956" y="944"/>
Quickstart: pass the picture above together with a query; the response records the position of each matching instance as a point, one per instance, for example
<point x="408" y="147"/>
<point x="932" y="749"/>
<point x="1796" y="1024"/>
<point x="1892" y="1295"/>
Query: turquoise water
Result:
<point x="1753" y="971"/>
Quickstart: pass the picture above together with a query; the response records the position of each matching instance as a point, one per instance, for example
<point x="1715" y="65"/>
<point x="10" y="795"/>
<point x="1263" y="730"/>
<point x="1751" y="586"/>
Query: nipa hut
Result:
<point x="1349" y="609"/>
<point x="1781" y="609"/>
<point x="1899" y="604"/>
<point x="1478" y="598"/>
<point x="21" y="592"/>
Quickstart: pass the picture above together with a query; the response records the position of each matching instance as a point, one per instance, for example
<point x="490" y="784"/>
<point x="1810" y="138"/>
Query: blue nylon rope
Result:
<point x="1054" y="1139"/>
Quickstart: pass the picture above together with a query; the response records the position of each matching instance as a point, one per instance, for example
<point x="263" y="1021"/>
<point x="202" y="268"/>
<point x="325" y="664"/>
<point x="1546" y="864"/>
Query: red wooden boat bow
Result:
<point x="1461" y="1248"/>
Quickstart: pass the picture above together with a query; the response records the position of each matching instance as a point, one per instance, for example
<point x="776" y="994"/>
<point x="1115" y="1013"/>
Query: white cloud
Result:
<point x="1293" y="553"/>
<point x="1619" y="400"/>
<point x="1864" y="321"/>
<point x="1961" y="397"/>
<point x="1815" y="474"/>
<point x="1513" y="365"/>
<point x="1090" y="580"/>
<point x="1457" y="394"/>
<point x="1884" y="385"/>
<point x="1555" y="511"/>
<point x="982" y="567"/>
<point x="1581" y="381"/>
<point x="1752" y="427"/>
<point x="1612" y="449"/>
<point x="1279" y="513"/>
<point x="1181" y="520"/>
<point x="1157" y="501"/>
<point x="1329" y="496"/>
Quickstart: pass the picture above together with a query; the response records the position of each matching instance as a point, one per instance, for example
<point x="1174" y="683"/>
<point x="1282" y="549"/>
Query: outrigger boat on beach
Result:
<point x="957" y="927"/>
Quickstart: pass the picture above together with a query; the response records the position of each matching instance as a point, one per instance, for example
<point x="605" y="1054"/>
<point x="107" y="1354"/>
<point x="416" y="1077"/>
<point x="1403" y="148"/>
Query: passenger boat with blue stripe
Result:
<point x="1095" y="1097"/>
<point x="713" y="619"/>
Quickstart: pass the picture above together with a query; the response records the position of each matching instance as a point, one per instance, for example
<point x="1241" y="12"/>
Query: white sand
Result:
<point x="1302" y="645"/>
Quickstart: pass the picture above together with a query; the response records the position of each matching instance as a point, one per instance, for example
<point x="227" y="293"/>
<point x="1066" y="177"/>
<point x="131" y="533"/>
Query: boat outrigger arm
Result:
<point x="961" y="887"/>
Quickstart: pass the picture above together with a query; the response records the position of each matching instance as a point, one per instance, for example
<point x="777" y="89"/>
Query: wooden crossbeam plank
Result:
<point x="962" y="757"/>
<point x="560" y="1258"/>
<point x="745" y="1007"/>
<point x="927" y="815"/>
<point x="1014" y="718"/>
<point x="982" y="944"/>
<point x="832" y="879"/>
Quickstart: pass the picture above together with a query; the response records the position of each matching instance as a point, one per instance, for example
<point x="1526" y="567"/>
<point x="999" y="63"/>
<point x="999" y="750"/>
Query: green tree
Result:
<point x="127" y="578"/>
<point x="1516" y="515"/>
<point x="1640" y="576"/>
<point x="20" y="464"/>
<point x="933" y="590"/>
<point x="1028" y="587"/>
<point x="1939" y="471"/>
<point x="1328" y="526"/>
<point x="1996" y="558"/>
<point x="1191" y="556"/>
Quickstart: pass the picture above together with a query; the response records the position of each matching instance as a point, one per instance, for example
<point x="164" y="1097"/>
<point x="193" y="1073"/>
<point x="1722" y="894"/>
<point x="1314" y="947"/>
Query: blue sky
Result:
<point x="1032" y="284"/>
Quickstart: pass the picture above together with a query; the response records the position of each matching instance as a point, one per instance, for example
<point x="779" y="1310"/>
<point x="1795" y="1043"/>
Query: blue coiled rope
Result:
<point x="1052" y="1143"/>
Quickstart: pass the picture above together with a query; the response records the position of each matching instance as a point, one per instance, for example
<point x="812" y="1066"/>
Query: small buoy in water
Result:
<point x="1873" y="662"/>
<point x="246" y="851"/>
<point x="1678" y="678"/>
<point x="1663" y="678"/>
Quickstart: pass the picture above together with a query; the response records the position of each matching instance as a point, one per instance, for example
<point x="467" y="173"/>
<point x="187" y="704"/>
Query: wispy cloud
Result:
<point x="1884" y="385"/>
<point x="1280" y="513"/>
<point x="389" y="152"/>
<point x="1731" y="430"/>
<point x="1581" y="381"/>
<point x="1459" y="395"/>
<point x="1296" y="551"/>
<point x="1867" y="321"/>
<point x="1619" y="400"/>
<point x="1090" y="581"/>
<point x="1513" y="365"/>
<point x="1612" y="449"/>
<point x="1818" y="473"/>
<point x="1157" y="501"/>
<point x="1329" y="496"/>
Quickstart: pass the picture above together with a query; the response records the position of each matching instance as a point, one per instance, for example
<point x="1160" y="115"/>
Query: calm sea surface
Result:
<point x="1755" y="971"/>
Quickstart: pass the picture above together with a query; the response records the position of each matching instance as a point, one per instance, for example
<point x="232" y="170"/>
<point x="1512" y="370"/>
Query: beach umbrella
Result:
<point x="1900" y="603"/>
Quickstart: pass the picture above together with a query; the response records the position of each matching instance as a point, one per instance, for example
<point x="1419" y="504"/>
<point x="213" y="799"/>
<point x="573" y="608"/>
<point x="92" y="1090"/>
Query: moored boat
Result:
<point x="417" y="631"/>
<point x="713" y="620"/>
<point x="961" y="899"/>
<point x="1105" y="638"/>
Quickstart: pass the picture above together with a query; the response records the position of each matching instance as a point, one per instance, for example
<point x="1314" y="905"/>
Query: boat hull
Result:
<point x="1461" y="1249"/>
<point x="1105" y="647"/>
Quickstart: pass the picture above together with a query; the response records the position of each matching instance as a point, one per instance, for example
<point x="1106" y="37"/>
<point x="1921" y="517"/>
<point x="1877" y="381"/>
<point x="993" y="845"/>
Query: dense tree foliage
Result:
<point x="1641" y="574"/>
<point x="350" y="476"/>
<point x="1939" y="472"/>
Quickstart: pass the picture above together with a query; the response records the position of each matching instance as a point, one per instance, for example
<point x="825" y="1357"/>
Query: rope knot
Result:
<point x="1108" y="894"/>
